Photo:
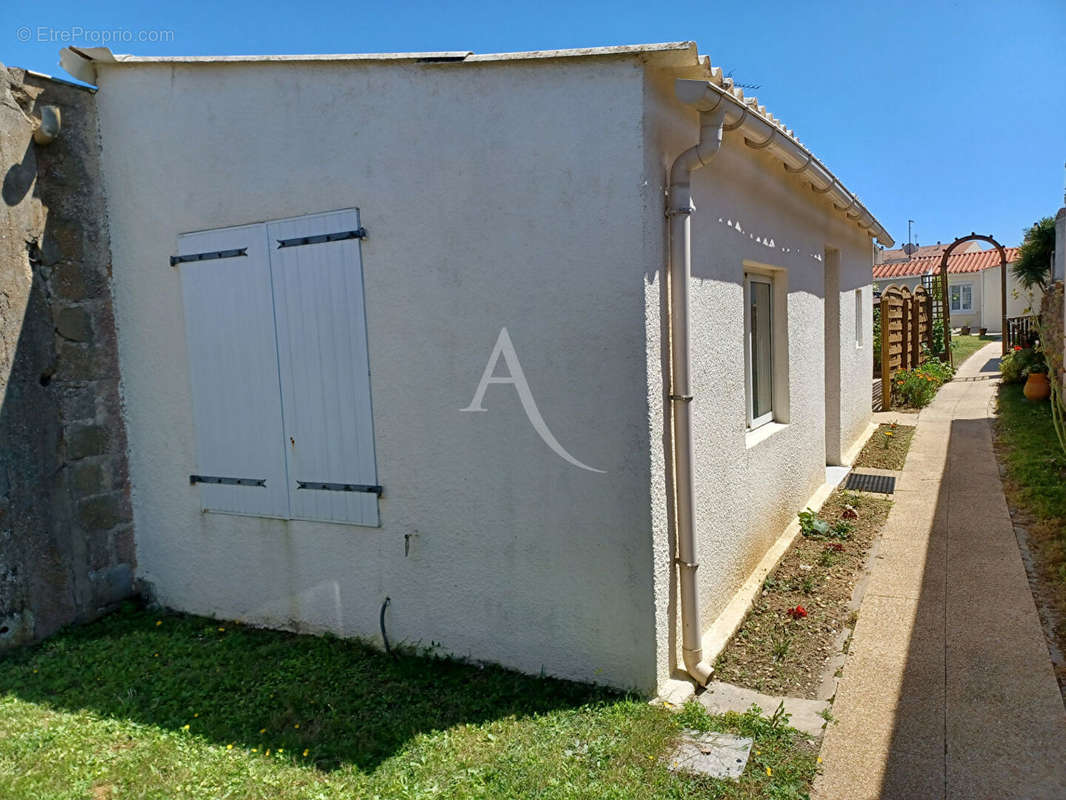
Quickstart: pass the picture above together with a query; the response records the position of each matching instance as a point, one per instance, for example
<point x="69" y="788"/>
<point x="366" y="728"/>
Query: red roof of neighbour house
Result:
<point x="923" y="250"/>
<point x="957" y="263"/>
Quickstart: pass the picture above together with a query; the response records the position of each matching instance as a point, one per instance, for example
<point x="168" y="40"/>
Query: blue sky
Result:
<point x="952" y="114"/>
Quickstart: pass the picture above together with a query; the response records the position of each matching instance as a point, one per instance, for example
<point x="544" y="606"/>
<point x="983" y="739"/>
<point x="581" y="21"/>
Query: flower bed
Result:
<point x="793" y="630"/>
<point x="887" y="448"/>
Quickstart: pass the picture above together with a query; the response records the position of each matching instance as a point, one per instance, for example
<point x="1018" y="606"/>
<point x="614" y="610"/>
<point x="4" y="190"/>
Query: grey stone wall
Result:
<point x="66" y="532"/>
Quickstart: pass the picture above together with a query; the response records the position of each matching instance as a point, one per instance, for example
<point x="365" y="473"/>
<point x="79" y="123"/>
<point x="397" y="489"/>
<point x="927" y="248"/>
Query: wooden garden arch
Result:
<point x="944" y="299"/>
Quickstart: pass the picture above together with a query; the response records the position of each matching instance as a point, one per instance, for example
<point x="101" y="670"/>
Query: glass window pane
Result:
<point x="761" y="350"/>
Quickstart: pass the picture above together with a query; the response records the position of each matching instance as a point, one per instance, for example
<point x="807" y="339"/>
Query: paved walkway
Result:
<point x="948" y="690"/>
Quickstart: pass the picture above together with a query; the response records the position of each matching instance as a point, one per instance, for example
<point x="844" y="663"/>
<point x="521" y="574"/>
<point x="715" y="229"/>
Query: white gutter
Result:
<point x="720" y="111"/>
<point x="761" y="134"/>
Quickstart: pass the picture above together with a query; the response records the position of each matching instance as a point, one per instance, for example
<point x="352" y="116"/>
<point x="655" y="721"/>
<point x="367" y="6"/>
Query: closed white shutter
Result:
<point x="233" y="370"/>
<point x="324" y="368"/>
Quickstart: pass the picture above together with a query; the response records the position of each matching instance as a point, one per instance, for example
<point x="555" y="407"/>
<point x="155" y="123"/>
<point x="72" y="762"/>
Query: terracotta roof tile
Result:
<point x="957" y="263"/>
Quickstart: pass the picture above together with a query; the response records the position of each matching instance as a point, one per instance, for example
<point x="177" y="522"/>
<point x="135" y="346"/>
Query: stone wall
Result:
<point x="66" y="532"/>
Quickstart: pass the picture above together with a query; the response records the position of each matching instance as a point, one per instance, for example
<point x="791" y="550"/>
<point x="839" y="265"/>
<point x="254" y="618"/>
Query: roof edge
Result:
<point x="82" y="62"/>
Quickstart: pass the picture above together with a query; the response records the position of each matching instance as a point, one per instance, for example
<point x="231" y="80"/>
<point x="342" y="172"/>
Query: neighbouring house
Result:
<point x="909" y="251"/>
<point x="974" y="285"/>
<point x="397" y="354"/>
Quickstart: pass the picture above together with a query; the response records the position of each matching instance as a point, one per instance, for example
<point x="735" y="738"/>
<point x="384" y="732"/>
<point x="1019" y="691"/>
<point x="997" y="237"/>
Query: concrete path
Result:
<point x="948" y="690"/>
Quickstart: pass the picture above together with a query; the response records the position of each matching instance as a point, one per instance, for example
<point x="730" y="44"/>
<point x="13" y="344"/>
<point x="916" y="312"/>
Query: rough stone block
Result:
<point x="87" y="440"/>
<point x="69" y="282"/>
<point x="76" y="362"/>
<point x="125" y="546"/>
<point x="88" y="478"/>
<point x="77" y="403"/>
<point x="113" y="584"/>
<point x="101" y="513"/>
<point x="75" y="324"/>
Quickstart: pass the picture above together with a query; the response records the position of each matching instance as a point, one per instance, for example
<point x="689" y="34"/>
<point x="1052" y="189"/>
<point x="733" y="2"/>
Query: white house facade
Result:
<point x="395" y="344"/>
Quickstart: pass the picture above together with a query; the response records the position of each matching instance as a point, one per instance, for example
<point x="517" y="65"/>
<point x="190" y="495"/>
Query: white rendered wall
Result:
<point x="747" y="210"/>
<point x="494" y="195"/>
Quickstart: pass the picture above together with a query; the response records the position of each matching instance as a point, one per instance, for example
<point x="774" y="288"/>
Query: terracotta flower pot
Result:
<point x="1037" y="387"/>
<point x="965" y="330"/>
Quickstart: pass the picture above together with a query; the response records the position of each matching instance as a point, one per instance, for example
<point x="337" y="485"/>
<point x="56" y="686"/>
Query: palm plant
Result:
<point x="1033" y="267"/>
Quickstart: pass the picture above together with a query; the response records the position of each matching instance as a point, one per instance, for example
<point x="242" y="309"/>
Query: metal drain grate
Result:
<point x="861" y="482"/>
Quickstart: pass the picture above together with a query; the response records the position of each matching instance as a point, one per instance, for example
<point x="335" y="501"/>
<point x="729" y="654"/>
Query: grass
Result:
<point x="1035" y="483"/>
<point x="887" y="447"/>
<point x="962" y="347"/>
<point x="146" y="705"/>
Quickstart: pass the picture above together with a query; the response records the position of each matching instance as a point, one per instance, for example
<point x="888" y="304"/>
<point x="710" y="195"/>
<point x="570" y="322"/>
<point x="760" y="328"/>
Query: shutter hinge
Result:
<point x="340" y="487"/>
<point x="175" y="260"/>
<point x="194" y="479"/>
<point x="359" y="233"/>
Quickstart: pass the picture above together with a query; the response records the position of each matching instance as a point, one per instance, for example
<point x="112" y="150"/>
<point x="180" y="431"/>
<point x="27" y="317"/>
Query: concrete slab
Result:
<point x="947" y="689"/>
<point x="713" y="755"/>
<point x="805" y="715"/>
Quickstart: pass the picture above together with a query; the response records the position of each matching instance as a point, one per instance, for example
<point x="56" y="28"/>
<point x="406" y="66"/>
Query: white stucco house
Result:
<point x="974" y="284"/>
<point x="515" y="341"/>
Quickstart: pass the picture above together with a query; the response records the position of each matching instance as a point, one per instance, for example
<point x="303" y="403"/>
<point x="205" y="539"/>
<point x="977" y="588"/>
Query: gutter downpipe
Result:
<point x="679" y="211"/>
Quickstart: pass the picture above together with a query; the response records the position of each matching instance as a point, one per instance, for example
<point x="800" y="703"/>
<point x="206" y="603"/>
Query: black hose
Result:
<point x="385" y="636"/>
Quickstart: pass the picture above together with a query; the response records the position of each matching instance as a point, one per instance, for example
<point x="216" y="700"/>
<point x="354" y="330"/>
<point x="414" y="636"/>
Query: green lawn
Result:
<point x="962" y="347"/>
<point x="146" y="705"/>
<point x="1036" y="465"/>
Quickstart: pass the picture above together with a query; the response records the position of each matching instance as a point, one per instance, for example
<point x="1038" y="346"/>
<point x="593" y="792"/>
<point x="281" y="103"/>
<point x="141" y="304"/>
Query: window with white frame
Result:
<point x="759" y="329"/>
<point x="961" y="295"/>
<point x="858" y="318"/>
<point x="279" y="369"/>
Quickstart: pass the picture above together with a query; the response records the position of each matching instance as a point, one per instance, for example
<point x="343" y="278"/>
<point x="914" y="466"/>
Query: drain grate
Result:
<point x="861" y="482"/>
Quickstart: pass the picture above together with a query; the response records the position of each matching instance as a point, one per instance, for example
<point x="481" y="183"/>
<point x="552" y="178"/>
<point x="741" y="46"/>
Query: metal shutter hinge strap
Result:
<point x="194" y="479"/>
<point x="340" y="487"/>
<point x="175" y="260"/>
<point x="298" y="241"/>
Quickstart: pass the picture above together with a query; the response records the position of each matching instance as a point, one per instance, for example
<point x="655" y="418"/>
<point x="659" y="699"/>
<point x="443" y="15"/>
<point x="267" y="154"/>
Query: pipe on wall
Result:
<point x="680" y="267"/>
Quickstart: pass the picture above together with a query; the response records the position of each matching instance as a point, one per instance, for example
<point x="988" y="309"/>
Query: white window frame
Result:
<point x="962" y="309"/>
<point x="763" y="419"/>
<point x="859" y="318"/>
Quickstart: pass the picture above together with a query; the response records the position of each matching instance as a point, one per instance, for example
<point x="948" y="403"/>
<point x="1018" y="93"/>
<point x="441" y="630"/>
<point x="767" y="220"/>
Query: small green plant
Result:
<point x="780" y="644"/>
<point x="828" y="558"/>
<point x="811" y="525"/>
<point x="842" y="529"/>
<point x="807" y="586"/>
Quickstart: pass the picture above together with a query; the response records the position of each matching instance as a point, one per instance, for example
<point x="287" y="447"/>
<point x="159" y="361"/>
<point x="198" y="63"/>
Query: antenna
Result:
<point x="752" y="86"/>
<point x="910" y="242"/>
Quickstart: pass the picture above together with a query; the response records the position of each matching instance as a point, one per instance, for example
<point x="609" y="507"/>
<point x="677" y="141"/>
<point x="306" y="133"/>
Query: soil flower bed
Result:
<point x="887" y="448"/>
<point x="793" y="629"/>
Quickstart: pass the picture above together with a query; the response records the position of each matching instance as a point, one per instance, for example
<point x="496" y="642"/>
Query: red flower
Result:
<point x="799" y="612"/>
<point x="836" y="547"/>
<point x="1017" y="347"/>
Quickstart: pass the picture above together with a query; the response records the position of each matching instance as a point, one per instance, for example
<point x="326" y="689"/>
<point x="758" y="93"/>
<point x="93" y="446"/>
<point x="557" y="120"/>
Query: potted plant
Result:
<point x="982" y="331"/>
<point x="964" y="330"/>
<point x="1037" y="387"/>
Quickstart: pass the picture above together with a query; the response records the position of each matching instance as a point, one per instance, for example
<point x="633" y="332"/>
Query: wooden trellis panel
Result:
<point x="906" y="324"/>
